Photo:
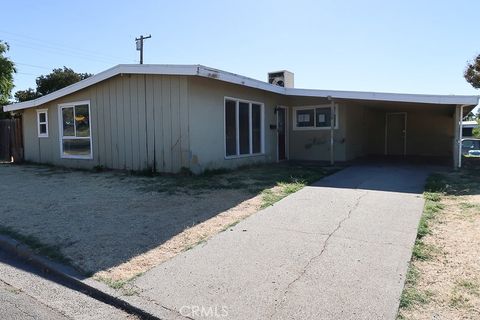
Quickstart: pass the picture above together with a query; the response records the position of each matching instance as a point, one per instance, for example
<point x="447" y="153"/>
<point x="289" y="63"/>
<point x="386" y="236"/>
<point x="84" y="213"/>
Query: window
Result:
<point x="75" y="134"/>
<point x="323" y="117"/>
<point x="314" y="118"/>
<point x="244" y="130"/>
<point x="42" y="123"/>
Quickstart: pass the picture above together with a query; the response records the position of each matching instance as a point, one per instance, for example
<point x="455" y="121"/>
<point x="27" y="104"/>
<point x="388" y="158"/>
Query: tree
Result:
<point x="7" y="69"/>
<point x="59" y="78"/>
<point x="472" y="72"/>
<point x="476" y="130"/>
<point x="25" y="95"/>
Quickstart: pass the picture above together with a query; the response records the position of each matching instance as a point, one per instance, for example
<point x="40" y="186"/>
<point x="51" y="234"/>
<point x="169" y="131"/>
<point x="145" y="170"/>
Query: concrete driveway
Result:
<point x="336" y="250"/>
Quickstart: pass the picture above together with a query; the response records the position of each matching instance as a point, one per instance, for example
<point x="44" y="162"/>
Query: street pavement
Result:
<point x="26" y="293"/>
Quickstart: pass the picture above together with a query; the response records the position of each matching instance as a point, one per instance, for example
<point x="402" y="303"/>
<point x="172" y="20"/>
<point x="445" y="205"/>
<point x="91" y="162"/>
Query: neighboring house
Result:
<point x="168" y="117"/>
<point x="467" y="128"/>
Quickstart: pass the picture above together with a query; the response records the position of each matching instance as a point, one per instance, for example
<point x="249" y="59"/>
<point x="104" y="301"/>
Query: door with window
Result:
<point x="396" y="134"/>
<point x="282" y="133"/>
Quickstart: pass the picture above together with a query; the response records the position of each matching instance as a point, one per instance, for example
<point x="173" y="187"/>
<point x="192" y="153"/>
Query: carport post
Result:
<point x="460" y="137"/>
<point x="332" y="124"/>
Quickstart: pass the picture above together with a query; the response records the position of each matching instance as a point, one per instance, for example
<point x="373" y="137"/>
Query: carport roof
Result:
<point x="206" y="72"/>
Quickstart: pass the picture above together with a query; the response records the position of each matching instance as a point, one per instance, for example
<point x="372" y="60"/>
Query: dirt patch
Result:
<point x="185" y="240"/>
<point x="449" y="280"/>
<point x="115" y="225"/>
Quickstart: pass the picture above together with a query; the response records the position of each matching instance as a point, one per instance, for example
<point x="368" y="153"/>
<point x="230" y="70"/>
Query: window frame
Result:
<point x="60" y="129"/>
<point x="39" y="111"/>
<point x="314" y="108"/>
<point x="250" y="131"/>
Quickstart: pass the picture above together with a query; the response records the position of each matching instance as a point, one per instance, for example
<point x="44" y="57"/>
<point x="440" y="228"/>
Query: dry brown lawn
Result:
<point x="114" y="226"/>
<point x="446" y="283"/>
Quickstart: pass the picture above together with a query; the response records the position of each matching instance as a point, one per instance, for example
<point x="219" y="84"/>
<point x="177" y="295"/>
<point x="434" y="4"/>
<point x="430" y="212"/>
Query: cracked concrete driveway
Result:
<point x="336" y="250"/>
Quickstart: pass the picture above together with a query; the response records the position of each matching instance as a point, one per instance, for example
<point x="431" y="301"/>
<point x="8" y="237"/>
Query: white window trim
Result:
<point x="237" y="128"/>
<point x="314" y="127"/>
<point x="42" y="135"/>
<point x="60" y="129"/>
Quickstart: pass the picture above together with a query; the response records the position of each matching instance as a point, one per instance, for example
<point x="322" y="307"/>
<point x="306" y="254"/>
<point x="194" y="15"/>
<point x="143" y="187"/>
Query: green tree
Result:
<point x="25" y="95"/>
<point x="476" y="130"/>
<point x="57" y="79"/>
<point x="7" y="70"/>
<point x="472" y="72"/>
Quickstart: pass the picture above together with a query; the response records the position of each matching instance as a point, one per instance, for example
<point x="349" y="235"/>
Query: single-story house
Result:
<point x="169" y="117"/>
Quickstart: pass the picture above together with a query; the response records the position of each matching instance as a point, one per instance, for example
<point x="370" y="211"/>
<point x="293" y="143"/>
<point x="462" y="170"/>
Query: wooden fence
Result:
<point x="11" y="140"/>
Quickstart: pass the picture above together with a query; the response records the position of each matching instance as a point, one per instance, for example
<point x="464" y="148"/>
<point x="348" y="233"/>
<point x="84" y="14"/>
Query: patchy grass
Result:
<point x="114" y="225"/>
<point x="410" y="294"/>
<point x="52" y="252"/>
<point x="280" y="191"/>
<point x="422" y="251"/>
<point x="114" y="284"/>
<point x="442" y="278"/>
<point x="253" y="179"/>
<point x="231" y="225"/>
<point x="470" y="286"/>
<point x="193" y="245"/>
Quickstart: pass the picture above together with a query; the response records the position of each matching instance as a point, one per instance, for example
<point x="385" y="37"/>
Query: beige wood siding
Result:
<point x="138" y="122"/>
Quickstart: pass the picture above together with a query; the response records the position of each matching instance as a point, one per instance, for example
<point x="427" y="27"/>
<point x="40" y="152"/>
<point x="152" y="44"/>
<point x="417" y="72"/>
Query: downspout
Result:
<point x="332" y="124"/>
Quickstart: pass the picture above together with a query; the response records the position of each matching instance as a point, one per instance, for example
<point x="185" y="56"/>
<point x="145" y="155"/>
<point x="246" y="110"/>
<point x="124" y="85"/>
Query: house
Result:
<point x="467" y="128"/>
<point x="168" y="117"/>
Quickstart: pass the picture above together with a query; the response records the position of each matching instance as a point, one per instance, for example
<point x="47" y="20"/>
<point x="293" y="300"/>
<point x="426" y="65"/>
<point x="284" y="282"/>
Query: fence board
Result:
<point x="11" y="140"/>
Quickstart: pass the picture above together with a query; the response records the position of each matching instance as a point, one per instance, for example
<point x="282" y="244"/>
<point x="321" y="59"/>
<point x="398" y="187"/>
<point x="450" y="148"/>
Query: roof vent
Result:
<point x="282" y="78"/>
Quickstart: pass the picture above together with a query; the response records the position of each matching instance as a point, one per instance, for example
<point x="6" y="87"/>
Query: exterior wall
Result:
<point x="137" y="122"/>
<point x="314" y="145"/>
<point x="430" y="130"/>
<point x="356" y="132"/>
<point x="168" y="122"/>
<point x="361" y="131"/>
<point x="207" y="121"/>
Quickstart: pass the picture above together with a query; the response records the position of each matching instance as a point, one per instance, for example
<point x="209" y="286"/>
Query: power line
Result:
<point x="65" y="53"/>
<point x="61" y="46"/>
<point x="27" y="74"/>
<point x="32" y="65"/>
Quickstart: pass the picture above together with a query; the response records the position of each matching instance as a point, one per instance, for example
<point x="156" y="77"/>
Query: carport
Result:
<point x="365" y="125"/>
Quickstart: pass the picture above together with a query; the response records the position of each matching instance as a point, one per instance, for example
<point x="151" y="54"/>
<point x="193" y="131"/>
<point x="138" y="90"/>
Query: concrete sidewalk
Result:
<point x="336" y="250"/>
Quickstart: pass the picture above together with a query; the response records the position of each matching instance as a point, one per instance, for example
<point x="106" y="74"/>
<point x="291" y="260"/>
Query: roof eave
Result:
<point x="202" y="71"/>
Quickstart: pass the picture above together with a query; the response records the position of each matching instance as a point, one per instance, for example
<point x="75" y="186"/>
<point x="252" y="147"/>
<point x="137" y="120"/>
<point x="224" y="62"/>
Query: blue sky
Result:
<point x="392" y="46"/>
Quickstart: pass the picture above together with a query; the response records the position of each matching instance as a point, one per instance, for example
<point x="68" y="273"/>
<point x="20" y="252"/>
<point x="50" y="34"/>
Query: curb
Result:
<point x="69" y="276"/>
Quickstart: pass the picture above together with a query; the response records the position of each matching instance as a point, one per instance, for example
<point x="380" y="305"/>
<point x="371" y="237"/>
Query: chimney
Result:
<point x="282" y="78"/>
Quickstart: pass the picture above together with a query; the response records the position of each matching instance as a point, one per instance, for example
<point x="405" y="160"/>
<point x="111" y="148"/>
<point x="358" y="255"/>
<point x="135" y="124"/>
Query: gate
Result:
<point x="11" y="140"/>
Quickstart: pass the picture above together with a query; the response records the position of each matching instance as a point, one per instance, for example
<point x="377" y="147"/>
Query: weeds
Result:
<point x="434" y="190"/>
<point x="52" y="252"/>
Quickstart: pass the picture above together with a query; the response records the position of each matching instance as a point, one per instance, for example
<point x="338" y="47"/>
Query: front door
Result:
<point x="282" y="133"/>
<point x="395" y="134"/>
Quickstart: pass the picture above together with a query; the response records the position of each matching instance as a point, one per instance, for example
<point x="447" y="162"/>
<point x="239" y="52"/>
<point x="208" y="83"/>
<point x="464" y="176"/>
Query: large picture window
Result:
<point x="75" y="133"/>
<point x="314" y="118"/>
<point x="244" y="130"/>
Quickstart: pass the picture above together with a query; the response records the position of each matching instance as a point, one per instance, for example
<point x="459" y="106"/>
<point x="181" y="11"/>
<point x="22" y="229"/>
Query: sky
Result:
<point x="404" y="46"/>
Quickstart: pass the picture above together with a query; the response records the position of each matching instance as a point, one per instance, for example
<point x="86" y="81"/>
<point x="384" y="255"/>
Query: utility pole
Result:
<point x="139" y="42"/>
